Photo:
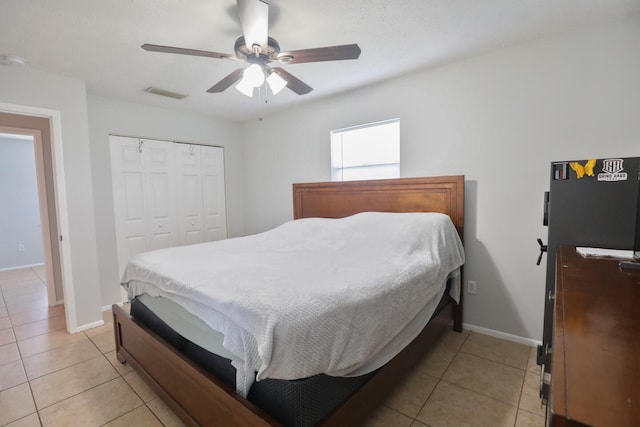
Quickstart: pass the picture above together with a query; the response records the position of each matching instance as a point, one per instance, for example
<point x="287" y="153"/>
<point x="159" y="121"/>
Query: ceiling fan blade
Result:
<point x="225" y="83"/>
<point x="182" y="51"/>
<point x="293" y="83"/>
<point x="329" y="53"/>
<point x="254" y="18"/>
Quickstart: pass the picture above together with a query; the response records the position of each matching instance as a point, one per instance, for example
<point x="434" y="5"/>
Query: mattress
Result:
<point x="187" y="325"/>
<point x="198" y="332"/>
<point x="300" y="403"/>
<point x="296" y="301"/>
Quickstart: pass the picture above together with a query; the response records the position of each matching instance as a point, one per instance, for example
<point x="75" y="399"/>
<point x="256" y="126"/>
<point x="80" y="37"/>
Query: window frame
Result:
<point x="338" y="173"/>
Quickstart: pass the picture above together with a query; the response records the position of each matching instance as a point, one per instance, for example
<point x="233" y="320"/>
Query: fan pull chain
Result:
<point x="260" y="101"/>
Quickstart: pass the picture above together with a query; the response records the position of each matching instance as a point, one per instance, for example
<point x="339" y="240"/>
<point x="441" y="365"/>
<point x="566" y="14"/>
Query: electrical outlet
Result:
<point x="21" y="247"/>
<point x="472" y="287"/>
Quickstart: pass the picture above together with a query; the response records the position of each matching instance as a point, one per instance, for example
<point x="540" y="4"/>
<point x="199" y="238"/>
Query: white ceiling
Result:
<point x="99" y="41"/>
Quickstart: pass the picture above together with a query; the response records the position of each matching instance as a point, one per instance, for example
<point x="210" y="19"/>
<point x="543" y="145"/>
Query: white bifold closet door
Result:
<point x="165" y="194"/>
<point x="201" y="199"/>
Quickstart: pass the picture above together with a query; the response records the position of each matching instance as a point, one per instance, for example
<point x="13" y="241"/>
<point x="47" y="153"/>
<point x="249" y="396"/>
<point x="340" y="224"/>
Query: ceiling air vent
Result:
<point x="162" y="92"/>
<point x="11" y="60"/>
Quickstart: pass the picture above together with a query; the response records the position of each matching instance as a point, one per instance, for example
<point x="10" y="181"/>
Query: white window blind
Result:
<point x="370" y="151"/>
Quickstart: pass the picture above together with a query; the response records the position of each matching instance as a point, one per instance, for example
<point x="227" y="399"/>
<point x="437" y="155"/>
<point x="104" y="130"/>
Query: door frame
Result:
<point x="43" y="207"/>
<point x="60" y="197"/>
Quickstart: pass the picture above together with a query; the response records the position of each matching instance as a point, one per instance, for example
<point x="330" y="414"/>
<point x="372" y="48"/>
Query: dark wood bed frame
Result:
<point x="199" y="398"/>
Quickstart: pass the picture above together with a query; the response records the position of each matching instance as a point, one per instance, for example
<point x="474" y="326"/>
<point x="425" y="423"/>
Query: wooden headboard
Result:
<point x="443" y="194"/>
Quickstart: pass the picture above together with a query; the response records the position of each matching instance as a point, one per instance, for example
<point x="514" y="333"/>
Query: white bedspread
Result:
<point x="334" y="296"/>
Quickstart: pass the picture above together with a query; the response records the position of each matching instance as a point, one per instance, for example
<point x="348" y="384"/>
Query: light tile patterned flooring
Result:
<point x="51" y="378"/>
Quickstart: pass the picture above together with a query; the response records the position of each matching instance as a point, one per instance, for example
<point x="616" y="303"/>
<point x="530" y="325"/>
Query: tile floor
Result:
<point x="51" y="378"/>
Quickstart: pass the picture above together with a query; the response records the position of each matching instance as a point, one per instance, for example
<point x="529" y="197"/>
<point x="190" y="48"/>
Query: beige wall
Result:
<point x="123" y="118"/>
<point x="25" y="86"/>
<point x="499" y="119"/>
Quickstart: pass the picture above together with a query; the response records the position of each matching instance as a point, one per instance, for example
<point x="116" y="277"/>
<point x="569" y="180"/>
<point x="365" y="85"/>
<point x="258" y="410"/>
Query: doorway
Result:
<point x="20" y="223"/>
<point x="27" y="194"/>
<point x="42" y="126"/>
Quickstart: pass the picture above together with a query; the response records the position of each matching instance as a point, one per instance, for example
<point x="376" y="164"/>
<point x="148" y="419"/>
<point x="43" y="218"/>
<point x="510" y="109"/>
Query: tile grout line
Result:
<point x="524" y="378"/>
<point x="144" y="403"/>
<point x="119" y="375"/>
<point x="28" y="380"/>
<point x="25" y="371"/>
<point x="440" y="379"/>
<point x="524" y="373"/>
<point x="75" y="364"/>
<point x="102" y="355"/>
<point x="33" y="400"/>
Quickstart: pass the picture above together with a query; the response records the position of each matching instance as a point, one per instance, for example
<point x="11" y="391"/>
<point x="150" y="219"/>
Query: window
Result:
<point x="370" y="151"/>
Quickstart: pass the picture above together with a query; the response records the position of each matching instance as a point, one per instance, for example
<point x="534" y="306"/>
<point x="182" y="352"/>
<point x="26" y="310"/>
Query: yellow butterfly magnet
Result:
<point x="582" y="170"/>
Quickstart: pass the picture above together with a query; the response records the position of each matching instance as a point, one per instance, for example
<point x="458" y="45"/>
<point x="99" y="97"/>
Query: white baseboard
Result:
<point x="89" y="326"/>
<point x="497" y="334"/>
<point x="98" y="323"/>
<point x="108" y="307"/>
<point x="21" y="266"/>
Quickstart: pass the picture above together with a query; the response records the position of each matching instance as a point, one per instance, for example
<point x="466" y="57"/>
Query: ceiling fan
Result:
<point x="258" y="49"/>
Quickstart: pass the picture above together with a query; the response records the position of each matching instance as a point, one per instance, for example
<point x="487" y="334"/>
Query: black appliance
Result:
<point x="593" y="203"/>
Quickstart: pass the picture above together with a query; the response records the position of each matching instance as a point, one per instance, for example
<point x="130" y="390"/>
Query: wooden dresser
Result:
<point x="595" y="371"/>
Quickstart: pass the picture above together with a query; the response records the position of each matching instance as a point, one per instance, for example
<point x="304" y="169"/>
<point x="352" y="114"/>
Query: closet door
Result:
<point x="189" y="194"/>
<point x="128" y="198"/>
<point x="200" y="193"/>
<point x="143" y="195"/>
<point x="215" y="212"/>
<point x="158" y="166"/>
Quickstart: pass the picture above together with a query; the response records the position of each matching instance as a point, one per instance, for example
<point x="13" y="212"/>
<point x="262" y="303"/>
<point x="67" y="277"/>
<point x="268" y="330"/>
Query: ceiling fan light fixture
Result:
<point x="259" y="50"/>
<point x="253" y="75"/>
<point x="245" y="88"/>
<point x="276" y="83"/>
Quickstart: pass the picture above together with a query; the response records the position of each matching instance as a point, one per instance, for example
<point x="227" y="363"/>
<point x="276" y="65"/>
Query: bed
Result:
<point x="200" y="397"/>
